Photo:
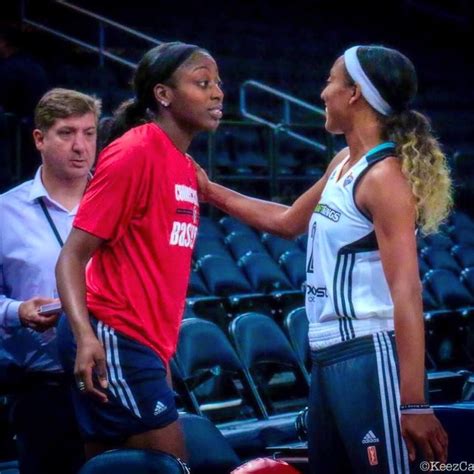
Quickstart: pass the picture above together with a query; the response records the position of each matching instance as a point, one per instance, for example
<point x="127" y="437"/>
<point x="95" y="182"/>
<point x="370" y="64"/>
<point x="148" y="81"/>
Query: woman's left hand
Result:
<point x="425" y="434"/>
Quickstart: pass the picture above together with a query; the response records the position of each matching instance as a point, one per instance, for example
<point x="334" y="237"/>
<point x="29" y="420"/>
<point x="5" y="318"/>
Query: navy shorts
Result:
<point x="354" y="419"/>
<point x="140" y="398"/>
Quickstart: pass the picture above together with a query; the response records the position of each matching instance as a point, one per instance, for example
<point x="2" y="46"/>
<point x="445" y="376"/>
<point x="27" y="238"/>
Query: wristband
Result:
<point x="416" y="409"/>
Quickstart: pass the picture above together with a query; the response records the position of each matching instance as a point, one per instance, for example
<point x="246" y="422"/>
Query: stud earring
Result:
<point x="164" y="104"/>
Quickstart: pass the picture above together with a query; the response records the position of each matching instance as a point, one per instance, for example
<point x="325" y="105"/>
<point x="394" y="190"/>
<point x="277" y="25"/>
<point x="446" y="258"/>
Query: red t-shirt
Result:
<point x="143" y="202"/>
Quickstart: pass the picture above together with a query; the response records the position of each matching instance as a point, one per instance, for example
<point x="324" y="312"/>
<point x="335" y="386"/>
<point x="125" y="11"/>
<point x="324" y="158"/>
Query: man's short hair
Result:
<point x="63" y="103"/>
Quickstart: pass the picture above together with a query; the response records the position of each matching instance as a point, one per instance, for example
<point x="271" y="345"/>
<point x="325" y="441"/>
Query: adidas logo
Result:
<point x="159" y="408"/>
<point x="370" y="438"/>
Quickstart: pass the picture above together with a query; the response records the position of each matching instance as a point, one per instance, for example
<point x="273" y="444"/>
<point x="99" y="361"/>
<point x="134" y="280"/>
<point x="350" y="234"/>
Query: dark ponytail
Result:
<point x="129" y="114"/>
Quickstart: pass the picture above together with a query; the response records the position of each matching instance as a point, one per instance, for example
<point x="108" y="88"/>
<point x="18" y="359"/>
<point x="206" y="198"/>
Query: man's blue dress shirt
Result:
<point x="28" y="254"/>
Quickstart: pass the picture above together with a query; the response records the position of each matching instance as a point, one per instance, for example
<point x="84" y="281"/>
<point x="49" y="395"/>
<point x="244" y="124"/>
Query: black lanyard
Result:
<point x="50" y="221"/>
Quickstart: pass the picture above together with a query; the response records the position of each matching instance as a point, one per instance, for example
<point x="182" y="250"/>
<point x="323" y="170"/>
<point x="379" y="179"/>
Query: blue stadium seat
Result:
<point x="196" y="286"/>
<point x="442" y="241"/>
<point x="211" y="308"/>
<point x="458" y="420"/>
<point x="460" y="220"/>
<point x="440" y="258"/>
<point x="241" y="243"/>
<point x="467" y="277"/>
<point x="222" y="276"/>
<point x="269" y="362"/>
<point x="446" y="340"/>
<point x="207" y="448"/>
<point x="423" y="267"/>
<point x="302" y="241"/>
<point x="209" y="228"/>
<point x="138" y="461"/>
<point x="9" y="467"/>
<point x="230" y="224"/>
<point x="214" y="374"/>
<point x="294" y="265"/>
<point x="263" y="273"/>
<point x="296" y="328"/>
<point x="464" y="254"/>
<point x="277" y="246"/>
<point x="465" y="236"/>
<point x="208" y="245"/>
<point x="447" y="290"/>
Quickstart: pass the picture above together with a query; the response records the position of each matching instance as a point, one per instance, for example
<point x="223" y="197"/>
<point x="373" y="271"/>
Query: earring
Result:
<point x="164" y="104"/>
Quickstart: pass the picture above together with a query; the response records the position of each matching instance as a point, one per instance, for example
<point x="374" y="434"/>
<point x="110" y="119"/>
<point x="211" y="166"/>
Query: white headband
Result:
<point x="370" y="93"/>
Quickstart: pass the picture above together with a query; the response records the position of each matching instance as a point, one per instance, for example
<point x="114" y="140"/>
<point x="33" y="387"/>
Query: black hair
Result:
<point x="157" y="66"/>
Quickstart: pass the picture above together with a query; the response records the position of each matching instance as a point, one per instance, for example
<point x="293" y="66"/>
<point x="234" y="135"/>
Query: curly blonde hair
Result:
<point x="424" y="165"/>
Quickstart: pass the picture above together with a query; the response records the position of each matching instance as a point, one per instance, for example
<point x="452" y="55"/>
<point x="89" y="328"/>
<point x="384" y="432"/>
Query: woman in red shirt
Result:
<point x="136" y="226"/>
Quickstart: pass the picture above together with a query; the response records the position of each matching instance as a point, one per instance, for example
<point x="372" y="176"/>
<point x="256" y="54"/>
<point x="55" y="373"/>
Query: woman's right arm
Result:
<point x="267" y="216"/>
<point x="70" y="276"/>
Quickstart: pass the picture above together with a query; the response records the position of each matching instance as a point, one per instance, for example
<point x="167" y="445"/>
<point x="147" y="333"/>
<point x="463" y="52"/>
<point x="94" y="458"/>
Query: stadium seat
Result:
<point x="241" y="243"/>
<point x="464" y="254"/>
<point x="209" y="228"/>
<point x="458" y="420"/>
<point x="214" y="374"/>
<point x="446" y="340"/>
<point x="207" y="245"/>
<point x="423" y="267"/>
<point x="196" y="286"/>
<point x="441" y="241"/>
<point x="440" y="258"/>
<point x="296" y="328"/>
<point x="207" y="448"/>
<point x="138" y="461"/>
<point x="464" y="236"/>
<point x="211" y="308"/>
<point x="269" y="362"/>
<point x="294" y="265"/>
<point x="277" y="246"/>
<point x="447" y="290"/>
<point x="263" y="273"/>
<point x="230" y="224"/>
<point x="222" y="276"/>
<point x="467" y="277"/>
<point x="460" y="220"/>
<point x="302" y="241"/>
<point x="9" y="467"/>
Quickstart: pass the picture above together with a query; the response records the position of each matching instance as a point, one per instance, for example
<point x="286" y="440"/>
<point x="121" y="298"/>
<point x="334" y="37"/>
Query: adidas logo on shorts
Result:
<point x="370" y="438"/>
<point x="159" y="408"/>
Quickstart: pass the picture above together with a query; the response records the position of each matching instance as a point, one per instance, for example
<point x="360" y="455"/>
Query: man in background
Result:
<point x="36" y="218"/>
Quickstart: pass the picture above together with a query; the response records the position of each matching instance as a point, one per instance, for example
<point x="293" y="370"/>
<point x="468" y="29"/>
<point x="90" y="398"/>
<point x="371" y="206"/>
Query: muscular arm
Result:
<point x="70" y="276"/>
<point x="392" y="208"/>
<point x="269" y="216"/>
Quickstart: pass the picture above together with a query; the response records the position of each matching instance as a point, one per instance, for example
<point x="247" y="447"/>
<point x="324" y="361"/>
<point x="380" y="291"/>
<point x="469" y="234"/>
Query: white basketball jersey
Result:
<point x="347" y="294"/>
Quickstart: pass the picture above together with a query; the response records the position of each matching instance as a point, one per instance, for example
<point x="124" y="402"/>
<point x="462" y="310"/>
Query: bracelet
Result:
<point x="416" y="409"/>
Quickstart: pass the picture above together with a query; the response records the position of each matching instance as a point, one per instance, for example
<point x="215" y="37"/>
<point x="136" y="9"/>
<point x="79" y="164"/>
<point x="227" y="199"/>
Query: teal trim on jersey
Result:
<point x="386" y="147"/>
<point x="380" y="147"/>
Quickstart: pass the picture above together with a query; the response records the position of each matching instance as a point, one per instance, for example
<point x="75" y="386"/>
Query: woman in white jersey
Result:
<point x="368" y="405"/>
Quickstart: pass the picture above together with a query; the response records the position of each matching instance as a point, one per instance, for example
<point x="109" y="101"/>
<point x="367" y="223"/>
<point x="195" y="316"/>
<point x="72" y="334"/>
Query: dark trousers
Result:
<point x="47" y="436"/>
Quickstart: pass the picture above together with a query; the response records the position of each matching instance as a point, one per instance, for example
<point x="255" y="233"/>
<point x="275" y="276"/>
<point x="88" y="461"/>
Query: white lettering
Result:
<point x="183" y="235"/>
<point x="186" y="194"/>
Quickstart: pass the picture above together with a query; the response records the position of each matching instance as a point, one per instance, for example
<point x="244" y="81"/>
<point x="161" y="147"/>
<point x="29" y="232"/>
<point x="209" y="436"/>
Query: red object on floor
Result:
<point x="265" y="465"/>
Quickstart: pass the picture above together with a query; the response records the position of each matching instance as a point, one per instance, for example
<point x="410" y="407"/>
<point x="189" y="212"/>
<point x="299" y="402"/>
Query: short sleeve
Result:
<point x="111" y="198"/>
